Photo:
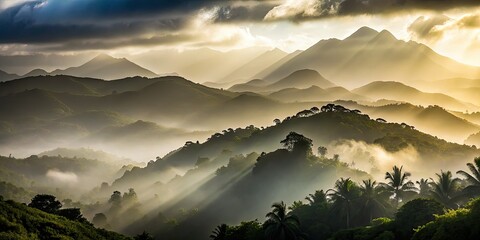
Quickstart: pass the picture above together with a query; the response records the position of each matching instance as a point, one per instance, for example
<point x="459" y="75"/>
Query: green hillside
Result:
<point x="18" y="222"/>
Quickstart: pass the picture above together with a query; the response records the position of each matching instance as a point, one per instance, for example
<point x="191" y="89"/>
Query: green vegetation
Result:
<point x="454" y="224"/>
<point x="18" y="221"/>
<point x="371" y="209"/>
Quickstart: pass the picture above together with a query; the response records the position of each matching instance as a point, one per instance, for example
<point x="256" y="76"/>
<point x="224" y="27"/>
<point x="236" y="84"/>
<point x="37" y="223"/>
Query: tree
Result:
<point x="282" y="225"/>
<point x="319" y="197"/>
<point x="116" y="198"/>
<point x="277" y="121"/>
<point x="99" y="220"/>
<point x="343" y="196"/>
<point x="315" y="110"/>
<point x="220" y="232"/>
<point x="473" y="189"/>
<point x="445" y="188"/>
<point x="397" y="184"/>
<point x="424" y="187"/>
<point x="46" y="203"/>
<point x="371" y="199"/>
<point x="414" y="214"/>
<point x="296" y="205"/>
<point x="297" y="142"/>
<point x="143" y="236"/>
<point x="322" y="151"/>
<point x="72" y="214"/>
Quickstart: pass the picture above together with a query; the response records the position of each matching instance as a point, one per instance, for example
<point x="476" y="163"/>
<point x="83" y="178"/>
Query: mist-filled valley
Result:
<point x="203" y="120"/>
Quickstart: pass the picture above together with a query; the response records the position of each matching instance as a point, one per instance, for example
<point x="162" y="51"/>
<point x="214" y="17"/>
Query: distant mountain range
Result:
<point x="368" y="55"/>
<point x="365" y="56"/>
<point x="102" y="66"/>
<point x="4" y="76"/>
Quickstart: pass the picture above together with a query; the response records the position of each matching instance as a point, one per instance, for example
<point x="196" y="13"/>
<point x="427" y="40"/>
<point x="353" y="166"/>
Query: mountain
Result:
<point x="250" y="86"/>
<point x="78" y="85"/>
<point x="20" y="105"/>
<point x="336" y="130"/>
<point x="473" y="139"/>
<point x="44" y="119"/>
<point x="315" y="94"/>
<point x="106" y="67"/>
<point x="473" y="117"/>
<point x="401" y="92"/>
<point x="432" y="119"/>
<point x="253" y="67"/>
<point x="4" y="76"/>
<point x="276" y="65"/>
<point x="322" y="128"/>
<point x="301" y="79"/>
<point x="368" y="55"/>
<point x="86" y="153"/>
<point x="94" y="120"/>
<point x="60" y="84"/>
<point x="36" y="72"/>
<point x="199" y="65"/>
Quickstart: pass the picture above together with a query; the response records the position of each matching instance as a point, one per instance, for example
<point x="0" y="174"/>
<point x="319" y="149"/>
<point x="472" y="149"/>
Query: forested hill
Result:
<point x="329" y="127"/>
<point x="20" y="222"/>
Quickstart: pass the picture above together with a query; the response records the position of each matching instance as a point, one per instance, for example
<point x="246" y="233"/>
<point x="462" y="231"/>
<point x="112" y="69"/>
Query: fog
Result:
<point x="63" y="177"/>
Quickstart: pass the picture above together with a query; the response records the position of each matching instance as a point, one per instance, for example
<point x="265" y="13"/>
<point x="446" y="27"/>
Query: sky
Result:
<point x="129" y="27"/>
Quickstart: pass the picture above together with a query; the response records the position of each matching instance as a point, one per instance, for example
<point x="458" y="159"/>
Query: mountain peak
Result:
<point x="386" y="36"/>
<point x="103" y="57"/>
<point x="363" y="33"/>
<point x="276" y="50"/>
<point x="36" y="72"/>
<point x="304" y="73"/>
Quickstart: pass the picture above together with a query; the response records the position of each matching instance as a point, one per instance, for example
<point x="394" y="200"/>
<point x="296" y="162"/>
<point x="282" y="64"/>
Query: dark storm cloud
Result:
<point x="64" y="22"/>
<point x="253" y="13"/>
<point x="59" y="20"/>
<point x="54" y="21"/>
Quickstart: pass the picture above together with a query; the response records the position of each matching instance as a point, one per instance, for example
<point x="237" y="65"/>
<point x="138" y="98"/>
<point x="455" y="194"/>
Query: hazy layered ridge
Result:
<point x="368" y="55"/>
<point x="401" y="92"/>
<point x="86" y="112"/>
<point x="102" y="66"/>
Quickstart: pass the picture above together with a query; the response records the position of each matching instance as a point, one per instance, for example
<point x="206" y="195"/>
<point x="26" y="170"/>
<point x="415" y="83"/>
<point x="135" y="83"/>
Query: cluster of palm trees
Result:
<point x="348" y="200"/>
<point x="374" y="199"/>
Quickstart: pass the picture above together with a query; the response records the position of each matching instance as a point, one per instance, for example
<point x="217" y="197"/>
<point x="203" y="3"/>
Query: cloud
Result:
<point x="47" y="21"/>
<point x="94" y="24"/>
<point x="433" y="28"/>
<point x="428" y="27"/>
<point x="64" y="177"/>
<point x="299" y="10"/>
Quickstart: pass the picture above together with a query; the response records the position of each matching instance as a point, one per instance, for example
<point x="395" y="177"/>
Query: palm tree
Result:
<point x="473" y="189"/>
<point x="343" y="196"/>
<point x="371" y="198"/>
<point x="397" y="184"/>
<point x="424" y="187"/>
<point x="282" y="225"/>
<point x="318" y="197"/>
<point x="445" y="188"/>
<point x="295" y="205"/>
<point x="220" y="232"/>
